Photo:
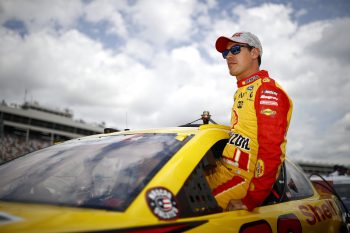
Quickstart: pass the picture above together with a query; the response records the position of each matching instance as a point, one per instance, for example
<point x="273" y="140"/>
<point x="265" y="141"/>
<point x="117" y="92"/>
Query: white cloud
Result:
<point x="41" y="15"/>
<point x="334" y="41"/>
<point x="110" y="12"/>
<point x="161" y="22"/>
<point x="140" y="49"/>
<point x="271" y="20"/>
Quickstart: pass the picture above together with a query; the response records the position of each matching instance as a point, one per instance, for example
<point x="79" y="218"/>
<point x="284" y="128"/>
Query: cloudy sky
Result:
<point x="151" y="63"/>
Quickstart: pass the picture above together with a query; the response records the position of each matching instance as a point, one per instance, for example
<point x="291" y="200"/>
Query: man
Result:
<point x="261" y="113"/>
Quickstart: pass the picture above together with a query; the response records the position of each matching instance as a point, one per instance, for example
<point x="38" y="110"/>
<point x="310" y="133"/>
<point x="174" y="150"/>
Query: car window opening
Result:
<point x="195" y="198"/>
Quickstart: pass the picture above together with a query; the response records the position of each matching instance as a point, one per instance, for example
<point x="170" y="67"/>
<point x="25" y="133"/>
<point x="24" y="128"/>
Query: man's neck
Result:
<point x="247" y="74"/>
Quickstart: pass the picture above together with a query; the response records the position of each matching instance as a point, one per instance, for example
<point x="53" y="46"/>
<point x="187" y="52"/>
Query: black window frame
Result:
<point x="195" y="196"/>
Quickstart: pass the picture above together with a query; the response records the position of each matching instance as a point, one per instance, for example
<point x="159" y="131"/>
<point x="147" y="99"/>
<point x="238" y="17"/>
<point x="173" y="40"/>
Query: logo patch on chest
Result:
<point x="240" y="104"/>
<point x="240" y="141"/>
<point x="268" y="112"/>
<point x="260" y="168"/>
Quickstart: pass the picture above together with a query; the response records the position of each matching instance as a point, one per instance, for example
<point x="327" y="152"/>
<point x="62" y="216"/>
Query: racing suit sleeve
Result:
<point x="273" y="110"/>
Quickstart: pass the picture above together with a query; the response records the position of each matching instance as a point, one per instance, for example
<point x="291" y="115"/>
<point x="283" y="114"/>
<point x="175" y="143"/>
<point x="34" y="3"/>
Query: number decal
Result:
<point x="288" y="223"/>
<point x="260" y="226"/>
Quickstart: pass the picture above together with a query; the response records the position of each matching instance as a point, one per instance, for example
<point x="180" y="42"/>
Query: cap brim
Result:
<point x="221" y="43"/>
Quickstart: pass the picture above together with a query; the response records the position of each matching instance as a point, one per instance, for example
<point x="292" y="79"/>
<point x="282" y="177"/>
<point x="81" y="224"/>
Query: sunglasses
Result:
<point x="236" y="49"/>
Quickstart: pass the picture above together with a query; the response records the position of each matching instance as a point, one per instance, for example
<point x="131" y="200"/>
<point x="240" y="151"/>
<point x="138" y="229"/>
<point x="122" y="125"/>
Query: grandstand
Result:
<point x="29" y="127"/>
<point x="311" y="167"/>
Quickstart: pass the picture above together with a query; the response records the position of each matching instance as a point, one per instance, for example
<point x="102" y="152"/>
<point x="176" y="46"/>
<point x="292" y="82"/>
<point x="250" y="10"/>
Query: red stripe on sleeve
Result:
<point x="272" y="106"/>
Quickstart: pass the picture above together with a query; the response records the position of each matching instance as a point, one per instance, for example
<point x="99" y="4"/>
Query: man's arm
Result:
<point x="272" y="108"/>
<point x="236" y="205"/>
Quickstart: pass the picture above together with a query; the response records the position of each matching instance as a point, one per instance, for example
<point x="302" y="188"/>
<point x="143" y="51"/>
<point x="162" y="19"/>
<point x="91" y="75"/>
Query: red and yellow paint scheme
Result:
<point x="164" y="190"/>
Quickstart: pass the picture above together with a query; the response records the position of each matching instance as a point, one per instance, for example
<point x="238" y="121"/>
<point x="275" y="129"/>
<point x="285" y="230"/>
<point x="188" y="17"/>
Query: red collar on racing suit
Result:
<point x="252" y="78"/>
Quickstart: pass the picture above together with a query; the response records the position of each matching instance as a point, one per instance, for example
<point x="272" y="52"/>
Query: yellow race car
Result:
<point x="150" y="181"/>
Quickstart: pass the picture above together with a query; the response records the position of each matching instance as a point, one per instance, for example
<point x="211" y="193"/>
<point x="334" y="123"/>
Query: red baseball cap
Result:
<point x="240" y="37"/>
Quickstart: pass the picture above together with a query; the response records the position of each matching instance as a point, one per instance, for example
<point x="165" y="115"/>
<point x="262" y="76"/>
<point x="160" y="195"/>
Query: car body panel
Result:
<point x="314" y="214"/>
<point x="41" y="218"/>
<point x="340" y="183"/>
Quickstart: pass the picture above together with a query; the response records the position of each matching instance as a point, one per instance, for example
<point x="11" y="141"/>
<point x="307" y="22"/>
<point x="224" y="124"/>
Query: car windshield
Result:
<point x="106" y="172"/>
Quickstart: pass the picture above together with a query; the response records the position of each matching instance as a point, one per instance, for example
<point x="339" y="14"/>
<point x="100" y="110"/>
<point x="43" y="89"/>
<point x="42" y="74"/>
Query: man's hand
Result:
<point x="236" y="205"/>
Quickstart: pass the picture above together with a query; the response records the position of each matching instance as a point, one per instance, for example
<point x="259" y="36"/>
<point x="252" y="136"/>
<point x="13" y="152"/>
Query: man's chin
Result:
<point x="233" y="73"/>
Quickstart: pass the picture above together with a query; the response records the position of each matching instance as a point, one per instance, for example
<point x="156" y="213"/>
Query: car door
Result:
<point x="287" y="213"/>
<point x="196" y="203"/>
<point x="316" y="212"/>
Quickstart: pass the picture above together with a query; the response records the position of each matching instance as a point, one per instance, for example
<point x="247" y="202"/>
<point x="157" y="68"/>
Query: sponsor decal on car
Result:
<point x="250" y="88"/>
<point x="315" y="213"/>
<point x="162" y="203"/>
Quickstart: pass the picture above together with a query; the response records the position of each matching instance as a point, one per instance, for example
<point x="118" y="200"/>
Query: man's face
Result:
<point x="241" y="64"/>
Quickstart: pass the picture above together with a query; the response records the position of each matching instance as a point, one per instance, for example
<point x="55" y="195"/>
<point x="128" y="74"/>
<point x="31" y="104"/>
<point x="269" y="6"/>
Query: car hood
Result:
<point x="20" y="217"/>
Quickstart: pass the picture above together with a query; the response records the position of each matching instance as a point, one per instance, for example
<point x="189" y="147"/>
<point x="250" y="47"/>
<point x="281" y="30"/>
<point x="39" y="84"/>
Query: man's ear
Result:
<point x="255" y="53"/>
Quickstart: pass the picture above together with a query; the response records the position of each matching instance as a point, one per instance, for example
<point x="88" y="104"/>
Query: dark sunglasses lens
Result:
<point x="235" y="49"/>
<point x="225" y="53"/>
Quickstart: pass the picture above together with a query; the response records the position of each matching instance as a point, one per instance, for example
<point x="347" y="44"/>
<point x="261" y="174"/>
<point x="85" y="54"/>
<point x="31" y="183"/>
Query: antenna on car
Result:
<point x="205" y="117"/>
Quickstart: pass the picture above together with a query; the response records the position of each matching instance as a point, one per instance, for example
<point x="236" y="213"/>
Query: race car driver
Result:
<point x="251" y="160"/>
